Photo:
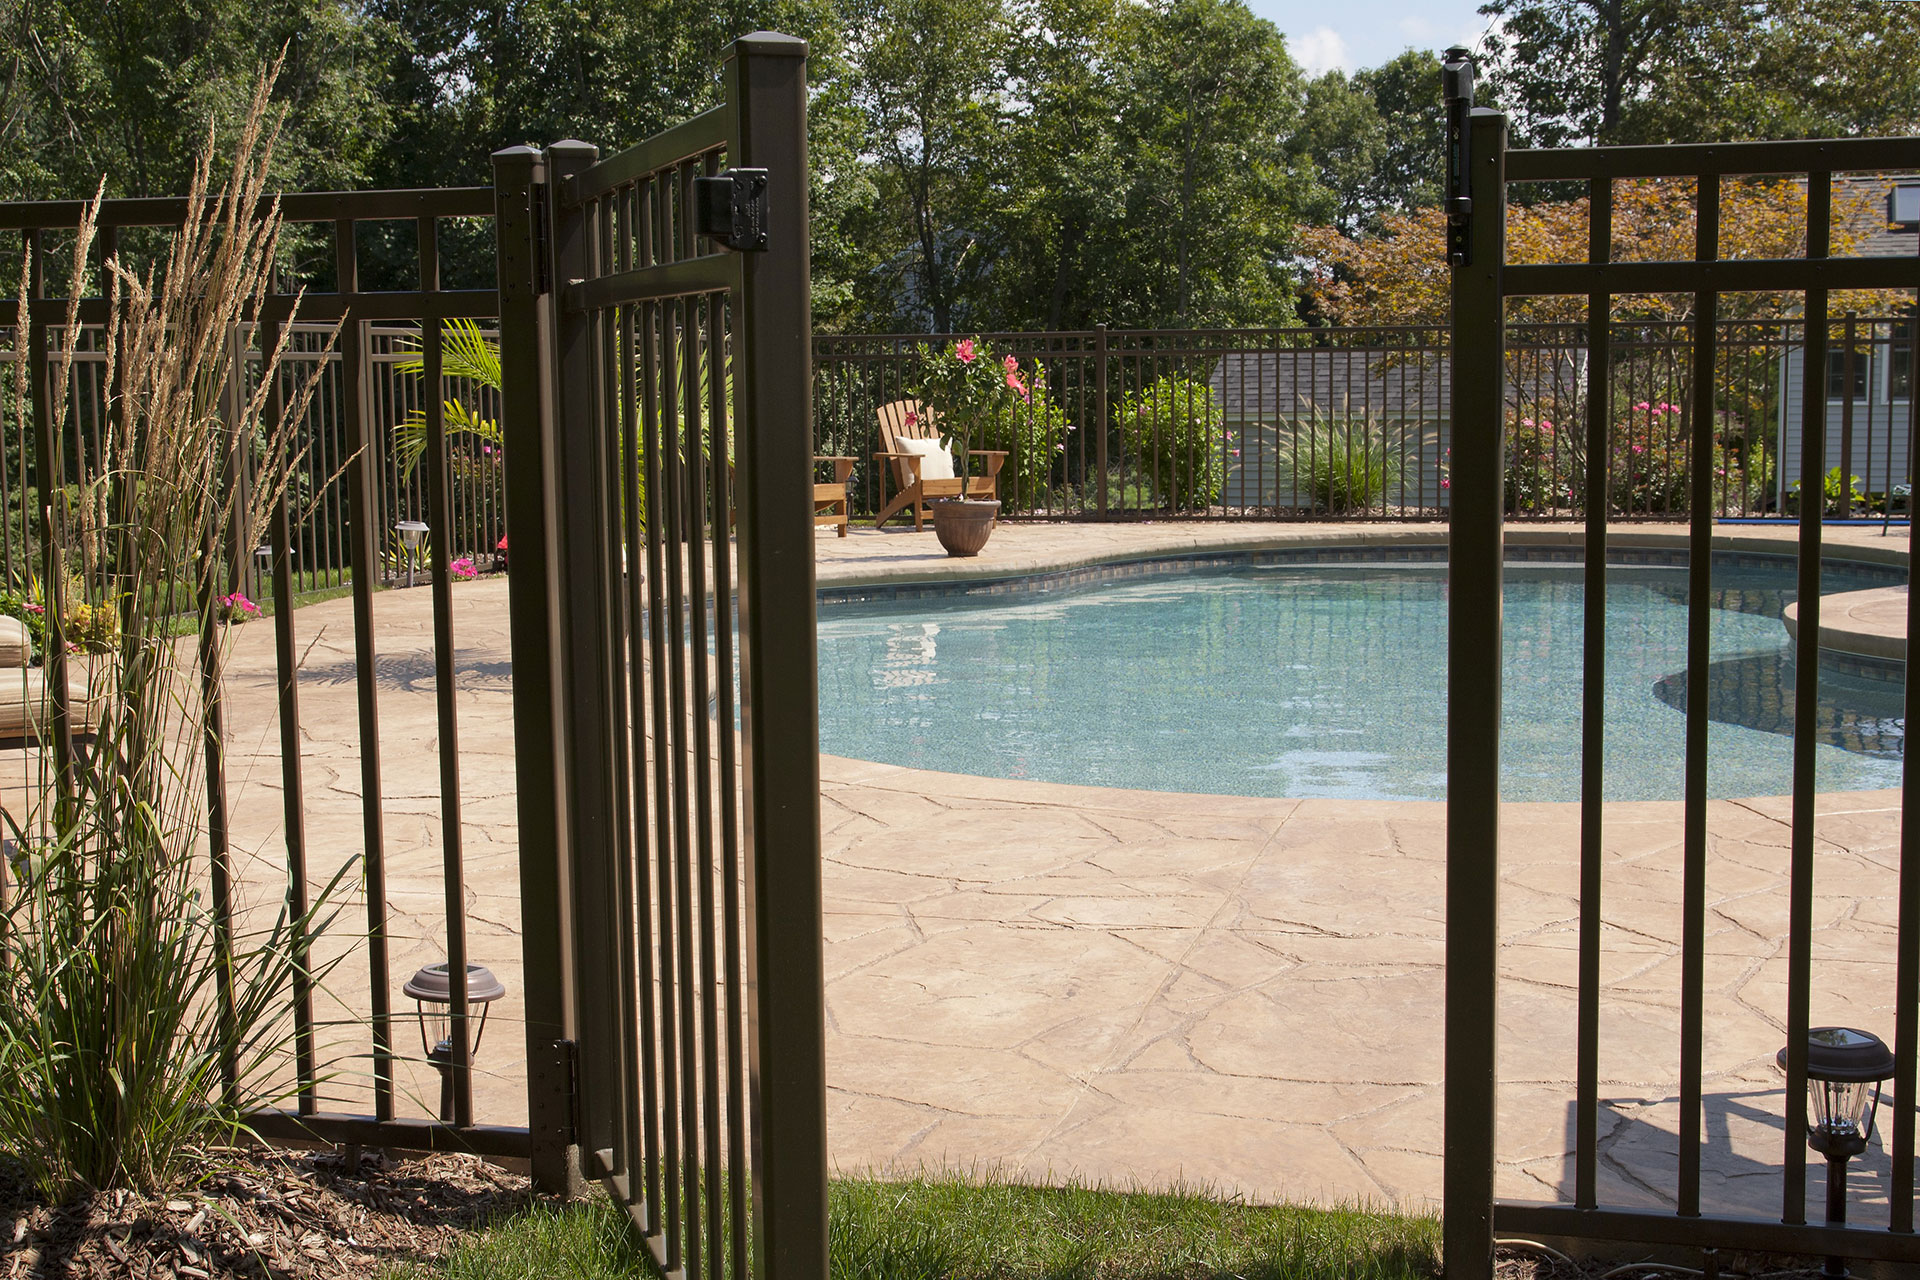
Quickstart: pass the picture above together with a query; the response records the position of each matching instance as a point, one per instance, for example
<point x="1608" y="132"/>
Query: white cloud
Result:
<point x="1320" y="50"/>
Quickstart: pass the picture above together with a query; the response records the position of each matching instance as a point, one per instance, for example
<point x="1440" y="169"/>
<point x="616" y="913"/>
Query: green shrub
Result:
<point x="1173" y="431"/>
<point x="1034" y="437"/>
<point x="1339" y="464"/>
<point x="1833" y="489"/>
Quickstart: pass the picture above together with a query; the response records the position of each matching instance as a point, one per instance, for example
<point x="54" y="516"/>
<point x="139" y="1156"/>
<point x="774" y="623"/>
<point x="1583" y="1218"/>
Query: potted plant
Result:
<point x="966" y="384"/>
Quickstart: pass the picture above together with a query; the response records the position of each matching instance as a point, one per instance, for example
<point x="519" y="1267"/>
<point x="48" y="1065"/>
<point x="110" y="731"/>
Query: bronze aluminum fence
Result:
<point x="1319" y="424"/>
<point x="342" y="544"/>
<point x="322" y="538"/>
<point x="1483" y="282"/>
<point x="687" y="855"/>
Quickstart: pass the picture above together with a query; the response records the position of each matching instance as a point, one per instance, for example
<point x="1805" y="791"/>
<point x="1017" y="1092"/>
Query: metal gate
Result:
<point x="1480" y="167"/>
<point x="655" y="338"/>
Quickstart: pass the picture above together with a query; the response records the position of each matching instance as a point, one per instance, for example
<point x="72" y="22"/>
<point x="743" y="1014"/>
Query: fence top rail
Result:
<point x="1191" y="337"/>
<point x="301" y="206"/>
<point x="1740" y="159"/>
<point x="1231" y="341"/>
<point x="709" y="131"/>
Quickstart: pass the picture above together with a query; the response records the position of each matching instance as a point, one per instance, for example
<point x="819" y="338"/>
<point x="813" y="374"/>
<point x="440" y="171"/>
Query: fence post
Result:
<point x="533" y="606"/>
<point x="1100" y="415"/>
<point x="766" y="77"/>
<point x="1473" y="700"/>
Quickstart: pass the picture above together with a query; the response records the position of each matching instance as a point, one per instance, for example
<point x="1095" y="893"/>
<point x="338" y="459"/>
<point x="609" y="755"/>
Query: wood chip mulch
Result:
<point x="283" y="1215"/>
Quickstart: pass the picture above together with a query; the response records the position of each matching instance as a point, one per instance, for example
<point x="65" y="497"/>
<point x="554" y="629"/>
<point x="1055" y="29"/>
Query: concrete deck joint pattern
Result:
<point x="1148" y="988"/>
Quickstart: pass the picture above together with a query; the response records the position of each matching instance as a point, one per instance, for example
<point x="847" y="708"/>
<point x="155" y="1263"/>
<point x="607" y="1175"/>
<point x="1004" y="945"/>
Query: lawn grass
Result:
<point x="946" y="1228"/>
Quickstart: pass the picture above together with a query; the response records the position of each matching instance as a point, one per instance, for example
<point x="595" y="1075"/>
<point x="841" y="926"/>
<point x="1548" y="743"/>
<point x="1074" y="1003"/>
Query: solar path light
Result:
<point x="412" y="534"/>
<point x="432" y="992"/>
<point x="1845" y="1069"/>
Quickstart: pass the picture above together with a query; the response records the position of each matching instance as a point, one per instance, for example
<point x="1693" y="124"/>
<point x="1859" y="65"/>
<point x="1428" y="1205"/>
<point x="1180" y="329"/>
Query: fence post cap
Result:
<point x="572" y="149"/>
<point x="769" y="43"/>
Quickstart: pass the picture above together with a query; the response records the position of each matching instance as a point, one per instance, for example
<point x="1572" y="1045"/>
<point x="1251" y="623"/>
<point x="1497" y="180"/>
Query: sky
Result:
<point x="1351" y="34"/>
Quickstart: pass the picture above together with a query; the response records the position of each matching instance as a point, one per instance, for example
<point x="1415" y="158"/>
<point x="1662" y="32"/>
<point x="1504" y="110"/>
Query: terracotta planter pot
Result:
<point x="963" y="526"/>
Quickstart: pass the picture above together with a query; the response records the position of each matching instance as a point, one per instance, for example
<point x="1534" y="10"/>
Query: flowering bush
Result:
<point x="1539" y="464"/>
<point x="984" y="399"/>
<point x="1172" y="430"/>
<point x="235" y="608"/>
<point x="1648" y="453"/>
<point x="463" y="569"/>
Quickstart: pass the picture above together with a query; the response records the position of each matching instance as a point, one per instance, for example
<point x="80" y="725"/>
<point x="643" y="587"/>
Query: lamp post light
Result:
<point x="1845" y="1069"/>
<point x="262" y="567"/>
<point x="412" y="534"/>
<point x="432" y="992"/>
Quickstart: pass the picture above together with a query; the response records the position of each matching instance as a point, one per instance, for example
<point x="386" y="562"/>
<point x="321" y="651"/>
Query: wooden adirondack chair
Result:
<point x="915" y="492"/>
<point x="826" y="497"/>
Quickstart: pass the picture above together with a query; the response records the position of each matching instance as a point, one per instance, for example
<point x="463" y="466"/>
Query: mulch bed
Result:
<point x="1538" y="1262"/>
<point x="288" y="1215"/>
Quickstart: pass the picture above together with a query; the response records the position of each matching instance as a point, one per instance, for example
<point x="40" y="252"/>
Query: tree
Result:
<point x="1406" y="96"/>
<point x="1650" y="71"/>
<point x="1568" y="68"/>
<point x="929" y="79"/>
<point x="1211" y="94"/>
<point x="1063" y="180"/>
<point x="1376" y="141"/>
<point x="127" y="88"/>
<point x="1401" y="276"/>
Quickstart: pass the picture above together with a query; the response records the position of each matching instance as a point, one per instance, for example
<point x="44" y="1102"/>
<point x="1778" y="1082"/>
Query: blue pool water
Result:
<point x="1331" y="681"/>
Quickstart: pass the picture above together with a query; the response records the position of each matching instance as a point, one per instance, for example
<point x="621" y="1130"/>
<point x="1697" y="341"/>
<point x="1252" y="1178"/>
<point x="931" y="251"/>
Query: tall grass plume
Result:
<point x="137" y="1023"/>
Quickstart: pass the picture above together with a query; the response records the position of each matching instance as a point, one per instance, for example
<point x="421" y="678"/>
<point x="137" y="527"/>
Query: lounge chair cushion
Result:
<point x="938" y="464"/>
<point x="23" y="702"/>
<point x="15" y="649"/>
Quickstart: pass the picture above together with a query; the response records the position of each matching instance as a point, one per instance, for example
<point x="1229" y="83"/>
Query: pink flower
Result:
<point x="1545" y="425"/>
<point x="1013" y="366"/>
<point x="1643" y="406"/>
<point x="1526" y="422"/>
<point x="1236" y="453"/>
<point x="1014" y="384"/>
<point x="1444" y="482"/>
<point x="964" y="349"/>
<point x="913" y="419"/>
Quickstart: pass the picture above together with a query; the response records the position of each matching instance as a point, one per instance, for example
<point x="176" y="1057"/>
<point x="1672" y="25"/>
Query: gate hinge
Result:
<point x="731" y="207"/>
<point x="567" y="1053"/>
<point x="542" y="243"/>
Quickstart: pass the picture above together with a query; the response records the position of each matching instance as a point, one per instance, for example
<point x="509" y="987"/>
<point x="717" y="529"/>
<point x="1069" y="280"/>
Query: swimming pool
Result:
<point x="1330" y="680"/>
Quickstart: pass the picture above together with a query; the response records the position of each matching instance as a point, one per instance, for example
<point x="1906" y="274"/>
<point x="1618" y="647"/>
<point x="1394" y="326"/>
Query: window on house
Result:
<point x="1900" y="362"/>
<point x="1837" y="373"/>
<point x="1903" y="205"/>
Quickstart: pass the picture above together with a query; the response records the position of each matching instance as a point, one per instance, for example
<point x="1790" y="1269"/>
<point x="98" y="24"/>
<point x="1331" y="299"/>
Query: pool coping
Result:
<point x="1865" y="636"/>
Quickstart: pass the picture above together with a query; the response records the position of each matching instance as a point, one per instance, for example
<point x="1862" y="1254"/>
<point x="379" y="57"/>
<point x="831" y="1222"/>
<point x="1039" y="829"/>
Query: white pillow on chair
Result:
<point x="937" y="464"/>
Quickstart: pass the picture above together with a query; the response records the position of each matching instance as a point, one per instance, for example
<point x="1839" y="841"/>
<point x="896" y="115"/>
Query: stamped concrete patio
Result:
<point x="1147" y="988"/>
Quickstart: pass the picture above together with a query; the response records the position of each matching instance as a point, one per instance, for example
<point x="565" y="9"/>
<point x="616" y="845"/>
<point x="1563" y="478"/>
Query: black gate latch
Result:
<point x="1456" y="80"/>
<point x="731" y="207"/>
